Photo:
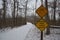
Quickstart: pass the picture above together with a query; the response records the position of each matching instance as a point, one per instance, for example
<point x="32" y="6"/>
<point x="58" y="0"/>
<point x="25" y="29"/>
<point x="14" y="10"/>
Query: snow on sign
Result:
<point x="41" y="24"/>
<point x="41" y="11"/>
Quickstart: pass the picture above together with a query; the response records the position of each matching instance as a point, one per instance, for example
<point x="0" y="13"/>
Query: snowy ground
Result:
<point x="15" y="33"/>
<point x="28" y="32"/>
<point x="34" y="34"/>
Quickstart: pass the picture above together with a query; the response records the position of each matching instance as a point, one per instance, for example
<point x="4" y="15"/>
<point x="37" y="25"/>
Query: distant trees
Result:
<point x="11" y="13"/>
<point x="14" y="12"/>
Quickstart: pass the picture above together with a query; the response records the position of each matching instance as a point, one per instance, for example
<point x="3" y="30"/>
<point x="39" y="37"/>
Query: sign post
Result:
<point x="41" y="35"/>
<point x="41" y="24"/>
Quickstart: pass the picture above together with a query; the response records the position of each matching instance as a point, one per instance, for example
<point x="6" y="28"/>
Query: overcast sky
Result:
<point x="31" y="3"/>
<point x="1" y="4"/>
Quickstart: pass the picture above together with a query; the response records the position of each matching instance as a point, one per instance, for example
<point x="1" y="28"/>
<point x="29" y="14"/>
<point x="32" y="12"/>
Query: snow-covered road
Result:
<point x="28" y="32"/>
<point x="16" y="33"/>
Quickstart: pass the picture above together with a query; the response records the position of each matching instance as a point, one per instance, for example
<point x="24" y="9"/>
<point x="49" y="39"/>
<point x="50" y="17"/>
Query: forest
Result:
<point x="19" y="12"/>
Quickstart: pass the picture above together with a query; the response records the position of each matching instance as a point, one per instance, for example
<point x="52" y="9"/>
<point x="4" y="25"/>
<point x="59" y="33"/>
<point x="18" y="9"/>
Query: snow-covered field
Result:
<point x="28" y="32"/>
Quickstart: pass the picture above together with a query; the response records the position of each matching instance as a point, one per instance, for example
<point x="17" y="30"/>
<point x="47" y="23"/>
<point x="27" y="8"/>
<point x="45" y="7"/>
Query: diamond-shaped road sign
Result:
<point x="41" y="11"/>
<point x="42" y="24"/>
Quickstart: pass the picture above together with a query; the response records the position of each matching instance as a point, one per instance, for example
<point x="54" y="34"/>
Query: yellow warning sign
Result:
<point x="42" y="24"/>
<point x="41" y="11"/>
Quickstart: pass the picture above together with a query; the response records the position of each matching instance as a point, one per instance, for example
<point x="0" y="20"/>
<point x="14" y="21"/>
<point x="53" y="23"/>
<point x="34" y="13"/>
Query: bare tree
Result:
<point x="4" y="8"/>
<point x="47" y="17"/>
<point x="13" y="14"/>
<point x="54" y="11"/>
<point x="26" y="10"/>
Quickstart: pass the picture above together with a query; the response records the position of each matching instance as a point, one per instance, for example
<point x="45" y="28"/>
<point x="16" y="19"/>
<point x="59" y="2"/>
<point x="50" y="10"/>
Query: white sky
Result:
<point x="0" y="4"/>
<point x="30" y="4"/>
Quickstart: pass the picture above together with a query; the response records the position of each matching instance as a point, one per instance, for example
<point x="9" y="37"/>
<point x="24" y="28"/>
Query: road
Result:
<point x="28" y="32"/>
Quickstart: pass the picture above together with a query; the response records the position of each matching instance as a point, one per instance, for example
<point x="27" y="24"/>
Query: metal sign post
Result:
<point x="41" y="24"/>
<point x="41" y="35"/>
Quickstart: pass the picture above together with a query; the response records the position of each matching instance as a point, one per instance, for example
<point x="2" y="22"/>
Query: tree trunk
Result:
<point x="13" y="14"/>
<point x="26" y="10"/>
<point x="47" y="17"/>
<point x="54" y="11"/>
<point x="4" y="8"/>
